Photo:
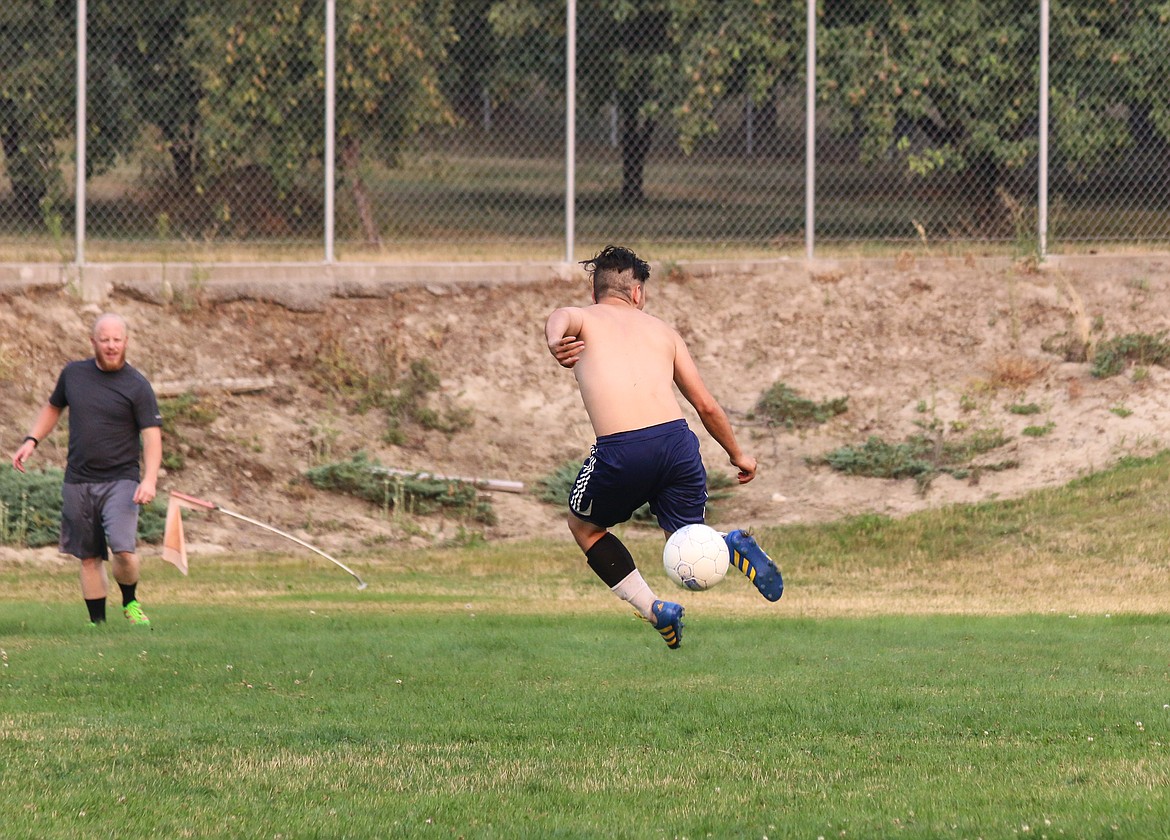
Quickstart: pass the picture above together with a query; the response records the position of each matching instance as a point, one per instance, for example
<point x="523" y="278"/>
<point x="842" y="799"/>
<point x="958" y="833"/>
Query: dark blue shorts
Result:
<point x="659" y="464"/>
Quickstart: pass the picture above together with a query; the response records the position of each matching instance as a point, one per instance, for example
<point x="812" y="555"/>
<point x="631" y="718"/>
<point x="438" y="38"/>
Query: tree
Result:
<point x="948" y="86"/>
<point x="261" y="69"/>
<point x="656" y="61"/>
<point x="951" y="87"/>
<point x="36" y="99"/>
<point x="37" y="89"/>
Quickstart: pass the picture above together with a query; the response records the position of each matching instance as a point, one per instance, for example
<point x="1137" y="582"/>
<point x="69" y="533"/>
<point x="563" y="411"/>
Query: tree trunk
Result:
<point x="351" y="159"/>
<point x="636" y="138"/>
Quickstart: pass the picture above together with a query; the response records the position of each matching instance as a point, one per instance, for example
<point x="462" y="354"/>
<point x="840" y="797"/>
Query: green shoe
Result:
<point x="133" y="612"/>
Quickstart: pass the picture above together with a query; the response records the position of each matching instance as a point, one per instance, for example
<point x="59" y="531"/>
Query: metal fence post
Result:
<point x="330" y="121"/>
<point x="79" y="173"/>
<point x="570" y="126"/>
<point x="1042" y="183"/>
<point x="810" y="133"/>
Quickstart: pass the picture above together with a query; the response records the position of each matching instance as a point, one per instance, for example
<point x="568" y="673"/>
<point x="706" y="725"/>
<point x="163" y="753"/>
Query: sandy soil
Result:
<point x="948" y="343"/>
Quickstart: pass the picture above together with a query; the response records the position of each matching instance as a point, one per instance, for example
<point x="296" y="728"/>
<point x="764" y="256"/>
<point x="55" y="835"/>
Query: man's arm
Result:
<point x="711" y="414"/>
<point x="152" y="461"/>
<point x="561" y="332"/>
<point x="42" y="426"/>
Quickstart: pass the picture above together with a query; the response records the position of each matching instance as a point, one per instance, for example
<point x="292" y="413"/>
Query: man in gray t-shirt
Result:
<point x="113" y="416"/>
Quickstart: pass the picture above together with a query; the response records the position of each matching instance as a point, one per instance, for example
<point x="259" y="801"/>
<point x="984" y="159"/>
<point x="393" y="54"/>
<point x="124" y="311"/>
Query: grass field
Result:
<point x="996" y="671"/>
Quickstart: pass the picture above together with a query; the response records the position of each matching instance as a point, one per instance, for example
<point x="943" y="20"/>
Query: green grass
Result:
<point x="315" y="722"/>
<point x="996" y="670"/>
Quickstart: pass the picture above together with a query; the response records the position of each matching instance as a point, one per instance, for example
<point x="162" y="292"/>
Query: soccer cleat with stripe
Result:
<point x="753" y="561"/>
<point x="135" y="615"/>
<point x="668" y="621"/>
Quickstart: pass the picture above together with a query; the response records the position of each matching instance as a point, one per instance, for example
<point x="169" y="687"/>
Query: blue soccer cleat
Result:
<point x="753" y="561"/>
<point x="668" y="621"/>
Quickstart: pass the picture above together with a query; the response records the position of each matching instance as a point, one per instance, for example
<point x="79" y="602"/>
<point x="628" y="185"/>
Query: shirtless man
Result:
<point x="627" y="364"/>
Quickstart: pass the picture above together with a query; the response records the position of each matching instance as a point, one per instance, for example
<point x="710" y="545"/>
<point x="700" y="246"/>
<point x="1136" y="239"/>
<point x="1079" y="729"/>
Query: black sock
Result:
<point x="97" y="609"/>
<point x="610" y="560"/>
<point x="128" y="590"/>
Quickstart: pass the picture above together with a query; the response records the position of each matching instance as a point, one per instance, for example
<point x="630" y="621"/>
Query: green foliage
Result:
<point x="367" y="479"/>
<point x="669" y="62"/>
<point x="260" y="69"/>
<point x="406" y="401"/>
<point x="781" y="405"/>
<point x="1023" y="408"/>
<point x="1114" y="354"/>
<point x="1038" y="431"/>
<point x="178" y="413"/>
<point x="939" y="85"/>
<point x="368" y="377"/>
<point x="30" y="507"/>
<point x="30" y="510"/>
<point x="185" y="410"/>
<point x="921" y="456"/>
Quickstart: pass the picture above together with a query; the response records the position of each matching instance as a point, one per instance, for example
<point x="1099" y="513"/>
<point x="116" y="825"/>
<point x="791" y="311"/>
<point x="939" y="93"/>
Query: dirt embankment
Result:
<point x="948" y="344"/>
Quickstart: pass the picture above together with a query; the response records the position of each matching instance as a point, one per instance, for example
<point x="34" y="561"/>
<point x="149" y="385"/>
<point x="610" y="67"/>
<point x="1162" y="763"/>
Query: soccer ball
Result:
<point x="695" y="557"/>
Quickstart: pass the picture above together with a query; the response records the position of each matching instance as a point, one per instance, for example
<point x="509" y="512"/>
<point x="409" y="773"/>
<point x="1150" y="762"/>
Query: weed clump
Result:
<point x="921" y="457"/>
<point x="412" y="494"/>
<point x="178" y="414"/>
<point x="379" y="378"/>
<point x="781" y="405"/>
<point x="1115" y="354"/>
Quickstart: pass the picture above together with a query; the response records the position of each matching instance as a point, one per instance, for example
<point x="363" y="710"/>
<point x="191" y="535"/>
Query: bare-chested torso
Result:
<point x="626" y="373"/>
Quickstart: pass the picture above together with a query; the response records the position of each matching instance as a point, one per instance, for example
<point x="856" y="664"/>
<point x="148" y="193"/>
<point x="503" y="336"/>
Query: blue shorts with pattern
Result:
<point x="659" y="464"/>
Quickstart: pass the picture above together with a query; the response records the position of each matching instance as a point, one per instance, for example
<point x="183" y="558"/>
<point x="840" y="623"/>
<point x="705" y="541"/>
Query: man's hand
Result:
<point x="145" y="493"/>
<point x="747" y="468"/>
<point x="21" y="455"/>
<point x="567" y="350"/>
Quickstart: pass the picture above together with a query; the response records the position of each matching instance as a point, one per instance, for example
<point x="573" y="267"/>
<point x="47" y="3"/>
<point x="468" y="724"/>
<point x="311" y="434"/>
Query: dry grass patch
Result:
<point x="1015" y="372"/>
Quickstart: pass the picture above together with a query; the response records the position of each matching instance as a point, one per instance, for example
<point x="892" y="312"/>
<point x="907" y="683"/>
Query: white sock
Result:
<point x="637" y="592"/>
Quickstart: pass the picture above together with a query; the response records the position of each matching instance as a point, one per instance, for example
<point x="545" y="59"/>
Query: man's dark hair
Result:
<point x="609" y="266"/>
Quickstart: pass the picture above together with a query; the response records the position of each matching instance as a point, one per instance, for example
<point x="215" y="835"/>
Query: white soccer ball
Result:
<point x="695" y="557"/>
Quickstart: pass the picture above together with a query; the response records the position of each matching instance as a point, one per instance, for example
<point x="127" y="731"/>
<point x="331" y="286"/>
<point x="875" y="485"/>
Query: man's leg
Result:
<point x="93" y="588"/>
<point x="120" y="519"/>
<point x="126" y="567"/>
<point x="611" y="561"/>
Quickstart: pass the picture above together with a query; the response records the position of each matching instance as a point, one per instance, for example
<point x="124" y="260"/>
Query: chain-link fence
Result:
<point x="437" y="129"/>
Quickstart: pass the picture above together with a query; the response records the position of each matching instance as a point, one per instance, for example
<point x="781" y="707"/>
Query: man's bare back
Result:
<point x="626" y="374"/>
<point x="626" y="363"/>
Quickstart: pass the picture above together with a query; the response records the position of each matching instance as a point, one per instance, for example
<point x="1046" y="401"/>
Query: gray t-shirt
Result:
<point x="107" y="412"/>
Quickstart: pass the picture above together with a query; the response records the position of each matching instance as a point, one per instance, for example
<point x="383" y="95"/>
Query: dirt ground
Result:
<point x="945" y="342"/>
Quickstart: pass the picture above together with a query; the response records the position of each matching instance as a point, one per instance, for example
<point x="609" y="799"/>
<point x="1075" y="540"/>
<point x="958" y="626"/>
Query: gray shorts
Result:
<point x="98" y="518"/>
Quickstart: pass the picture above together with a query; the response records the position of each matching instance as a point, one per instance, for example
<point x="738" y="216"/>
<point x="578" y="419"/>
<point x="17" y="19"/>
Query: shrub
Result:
<point x="781" y="405"/>
<point x="1114" y="354"/>
<point x="921" y="457"/>
<point x="30" y="510"/>
<point x="368" y="480"/>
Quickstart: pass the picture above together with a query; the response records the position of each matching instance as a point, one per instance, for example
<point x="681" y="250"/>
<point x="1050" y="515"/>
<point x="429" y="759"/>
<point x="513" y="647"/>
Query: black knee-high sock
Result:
<point x="97" y="609"/>
<point x="610" y="560"/>
<point x="128" y="592"/>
